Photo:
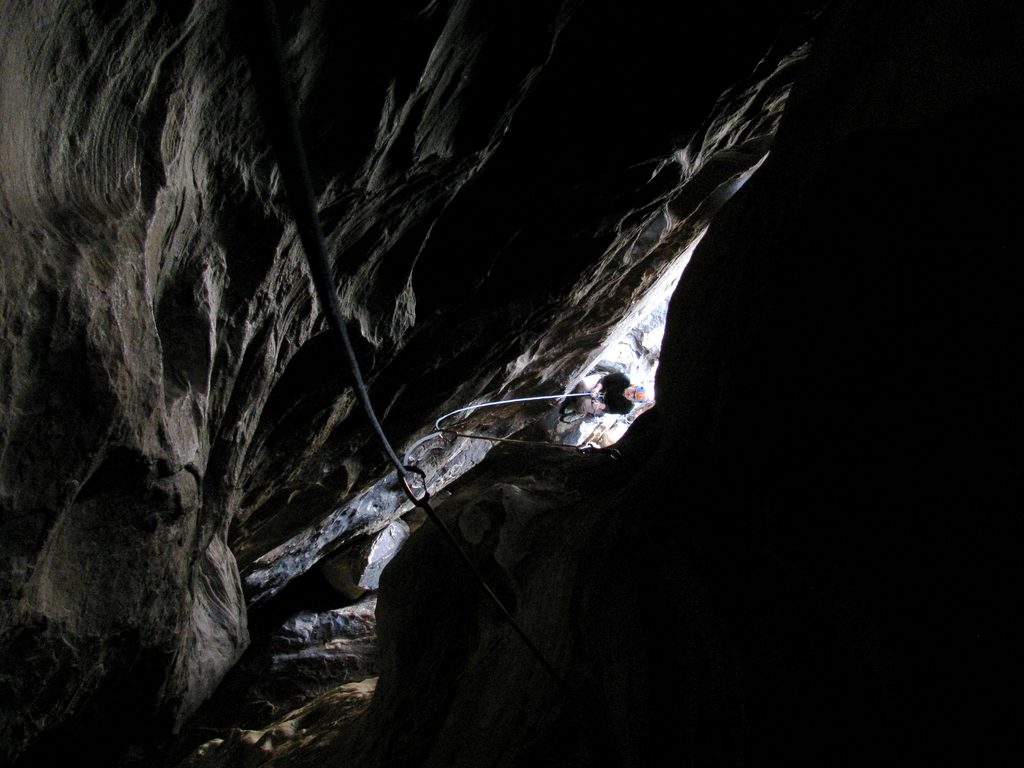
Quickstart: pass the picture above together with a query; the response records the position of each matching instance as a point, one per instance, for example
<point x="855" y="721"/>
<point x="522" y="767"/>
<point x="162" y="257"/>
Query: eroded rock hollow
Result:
<point x="797" y="556"/>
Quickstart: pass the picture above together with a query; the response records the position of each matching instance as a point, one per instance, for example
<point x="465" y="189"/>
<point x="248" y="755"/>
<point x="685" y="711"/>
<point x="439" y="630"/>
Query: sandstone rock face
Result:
<point x="800" y="555"/>
<point x="357" y="570"/>
<point x="291" y="738"/>
<point x="179" y="442"/>
<point x="174" y="423"/>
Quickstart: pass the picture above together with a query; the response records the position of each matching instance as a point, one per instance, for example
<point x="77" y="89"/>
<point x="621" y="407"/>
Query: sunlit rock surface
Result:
<point x="295" y="660"/>
<point x="357" y="570"/>
<point x="790" y="561"/>
<point x="292" y="737"/>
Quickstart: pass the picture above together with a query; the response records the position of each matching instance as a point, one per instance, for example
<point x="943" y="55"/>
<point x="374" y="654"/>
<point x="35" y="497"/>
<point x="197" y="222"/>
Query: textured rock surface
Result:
<point x="357" y="569"/>
<point x="802" y="554"/>
<point x="802" y="557"/>
<point x="293" y="736"/>
<point x="804" y="563"/>
<point x="305" y="656"/>
<point x="173" y="415"/>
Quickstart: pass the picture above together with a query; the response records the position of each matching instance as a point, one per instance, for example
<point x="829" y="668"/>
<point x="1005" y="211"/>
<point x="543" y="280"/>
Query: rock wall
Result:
<point x="798" y="538"/>
<point x="804" y="554"/>
<point x="174" y="425"/>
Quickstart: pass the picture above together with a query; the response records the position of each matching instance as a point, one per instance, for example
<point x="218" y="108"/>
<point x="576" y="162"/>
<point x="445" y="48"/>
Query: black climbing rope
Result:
<point x="266" y="60"/>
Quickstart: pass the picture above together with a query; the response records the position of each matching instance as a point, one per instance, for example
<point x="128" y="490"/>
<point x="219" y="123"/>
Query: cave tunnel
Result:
<point x="796" y="226"/>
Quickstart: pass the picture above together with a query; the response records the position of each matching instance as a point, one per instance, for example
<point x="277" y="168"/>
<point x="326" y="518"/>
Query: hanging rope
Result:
<point x="451" y="433"/>
<point x="266" y="60"/>
<point x="437" y="424"/>
<point x="585" y="450"/>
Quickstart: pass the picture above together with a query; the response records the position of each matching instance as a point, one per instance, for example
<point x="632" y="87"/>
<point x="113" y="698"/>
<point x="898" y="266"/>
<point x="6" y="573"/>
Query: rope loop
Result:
<point x="412" y="468"/>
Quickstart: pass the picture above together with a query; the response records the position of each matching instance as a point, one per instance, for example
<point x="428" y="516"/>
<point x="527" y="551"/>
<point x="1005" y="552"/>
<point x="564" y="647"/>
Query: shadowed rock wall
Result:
<point x="798" y="541"/>
<point x="174" y="427"/>
<point x="805" y="553"/>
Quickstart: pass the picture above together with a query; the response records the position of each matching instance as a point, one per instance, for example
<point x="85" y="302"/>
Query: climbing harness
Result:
<point x="266" y="61"/>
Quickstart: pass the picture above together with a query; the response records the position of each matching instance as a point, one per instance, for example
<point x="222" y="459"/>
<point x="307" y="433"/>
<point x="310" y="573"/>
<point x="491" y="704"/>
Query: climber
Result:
<point x="615" y="394"/>
<point x="612" y="394"/>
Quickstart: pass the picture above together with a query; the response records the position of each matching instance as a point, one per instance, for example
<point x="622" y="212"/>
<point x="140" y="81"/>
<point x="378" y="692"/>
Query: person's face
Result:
<point x="632" y="394"/>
